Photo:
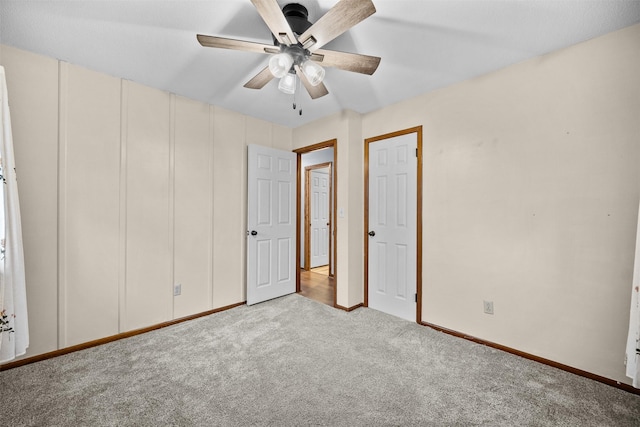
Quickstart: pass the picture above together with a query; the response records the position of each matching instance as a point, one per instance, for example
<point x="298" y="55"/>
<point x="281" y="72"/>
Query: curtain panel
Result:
<point x="633" y="340"/>
<point x="14" y="326"/>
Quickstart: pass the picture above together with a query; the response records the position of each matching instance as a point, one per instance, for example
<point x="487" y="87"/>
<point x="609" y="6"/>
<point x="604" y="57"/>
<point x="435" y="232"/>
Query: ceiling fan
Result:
<point x="296" y="50"/>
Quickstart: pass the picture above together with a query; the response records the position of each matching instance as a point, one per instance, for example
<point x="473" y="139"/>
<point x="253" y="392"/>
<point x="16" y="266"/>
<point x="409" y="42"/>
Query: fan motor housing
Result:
<point x="298" y="18"/>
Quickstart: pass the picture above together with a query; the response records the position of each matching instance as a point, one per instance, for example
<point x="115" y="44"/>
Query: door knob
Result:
<point x="372" y="233"/>
<point x="254" y="233"/>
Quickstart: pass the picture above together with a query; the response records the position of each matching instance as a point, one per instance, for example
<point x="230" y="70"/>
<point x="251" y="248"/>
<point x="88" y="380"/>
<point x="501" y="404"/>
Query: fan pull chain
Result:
<point x="300" y="88"/>
<point x="294" y="99"/>
<point x="294" y="96"/>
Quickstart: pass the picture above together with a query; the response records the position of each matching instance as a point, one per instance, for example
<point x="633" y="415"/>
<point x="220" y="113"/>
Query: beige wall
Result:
<point x="345" y="128"/>
<point x="531" y="188"/>
<point x="125" y="190"/>
<point x="530" y="199"/>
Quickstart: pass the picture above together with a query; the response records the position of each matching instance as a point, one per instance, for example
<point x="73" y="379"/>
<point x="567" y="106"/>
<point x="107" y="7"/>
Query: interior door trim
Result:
<point x="332" y="143"/>
<point x="418" y="131"/>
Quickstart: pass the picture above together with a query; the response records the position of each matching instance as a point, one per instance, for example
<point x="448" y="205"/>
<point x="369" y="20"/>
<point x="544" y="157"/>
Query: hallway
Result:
<point x="317" y="285"/>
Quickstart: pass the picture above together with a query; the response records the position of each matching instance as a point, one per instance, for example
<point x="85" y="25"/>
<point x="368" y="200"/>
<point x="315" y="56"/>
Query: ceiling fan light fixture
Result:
<point x="288" y="84"/>
<point x="297" y="44"/>
<point x="280" y="64"/>
<point x="313" y="72"/>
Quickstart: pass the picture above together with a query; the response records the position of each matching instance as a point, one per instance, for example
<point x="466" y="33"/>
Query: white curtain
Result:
<point x="14" y="338"/>
<point x="633" y="341"/>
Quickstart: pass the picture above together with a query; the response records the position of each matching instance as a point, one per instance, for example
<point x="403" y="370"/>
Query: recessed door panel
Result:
<point x="401" y="205"/>
<point x="402" y="265"/>
<point x="285" y="166"/>
<point x="381" y="207"/>
<point x="284" y="203"/>
<point x="381" y="156"/>
<point x="284" y="259"/>
<point x="264" y="202"/>
<point x="381" y="267"/>
<point x="264" y="162"/>
<point x="263" y="257"/>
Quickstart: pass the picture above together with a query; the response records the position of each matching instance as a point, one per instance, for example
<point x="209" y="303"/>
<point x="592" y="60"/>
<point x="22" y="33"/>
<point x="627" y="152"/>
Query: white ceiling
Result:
<point x="424" y="45"/>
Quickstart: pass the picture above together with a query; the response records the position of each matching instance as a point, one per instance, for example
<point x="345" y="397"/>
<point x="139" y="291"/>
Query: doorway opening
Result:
<point x="317" y="217"/>
<point x="316" y="212"/>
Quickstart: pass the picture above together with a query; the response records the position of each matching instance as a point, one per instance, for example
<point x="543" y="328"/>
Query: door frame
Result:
<point x="332" y="143"/>
<point x="418" y="131"/>
<point x="307" y="213"/>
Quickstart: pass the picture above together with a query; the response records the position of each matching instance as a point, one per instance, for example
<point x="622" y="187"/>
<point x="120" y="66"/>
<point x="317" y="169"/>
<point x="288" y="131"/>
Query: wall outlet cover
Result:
<point x="488" y="307"/>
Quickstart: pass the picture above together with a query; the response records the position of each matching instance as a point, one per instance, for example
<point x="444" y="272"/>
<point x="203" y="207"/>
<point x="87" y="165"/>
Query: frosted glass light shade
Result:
<point x="313" y="72"/>
<point x="280" y="64"/>
<point x="288" y="84"/>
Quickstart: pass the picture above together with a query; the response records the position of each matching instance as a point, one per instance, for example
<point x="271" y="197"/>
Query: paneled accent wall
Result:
<point x="228" y="199"/>
<point x="89" y="188"/>
<point x="146" y="142"/>
<point x="193" y="206"/>
<point x="125" y="191"/>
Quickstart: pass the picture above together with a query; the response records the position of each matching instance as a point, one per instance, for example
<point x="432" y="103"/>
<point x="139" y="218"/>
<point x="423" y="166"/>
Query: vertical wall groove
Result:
<point x="63" y="73"/>
<point x="122" y="256"/>
<point x="243" y="210"/>
<point x="172" y="200"/>
<point x="211" y="206"/>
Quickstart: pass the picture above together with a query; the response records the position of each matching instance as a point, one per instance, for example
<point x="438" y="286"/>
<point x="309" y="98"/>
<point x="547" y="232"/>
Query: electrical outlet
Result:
<point x="177" y="289"/>
<point x="488" y="307"/>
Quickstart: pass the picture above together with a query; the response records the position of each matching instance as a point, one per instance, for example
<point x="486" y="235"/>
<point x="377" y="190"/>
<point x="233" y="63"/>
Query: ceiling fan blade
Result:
<point x="314" y="91"/>
<point x="355" y="62"/>
<point x="271" y="14"/>
<point x="336" y="21"/>
<point x="260" y="79"/>
<point x="221" y="42"/>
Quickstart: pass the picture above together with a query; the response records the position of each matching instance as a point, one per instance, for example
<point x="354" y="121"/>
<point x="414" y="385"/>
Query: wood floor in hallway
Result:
<point x="317" y="285"/>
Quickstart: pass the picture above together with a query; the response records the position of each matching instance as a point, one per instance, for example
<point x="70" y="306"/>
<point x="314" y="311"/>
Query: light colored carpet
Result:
<point x="295" y="362"/>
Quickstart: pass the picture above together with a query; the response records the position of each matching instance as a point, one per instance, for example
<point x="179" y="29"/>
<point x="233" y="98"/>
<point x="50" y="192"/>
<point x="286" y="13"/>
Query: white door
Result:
<point x="392" y="255"/>
<point x="319" y="208"/>
<point x="271" y="223"/>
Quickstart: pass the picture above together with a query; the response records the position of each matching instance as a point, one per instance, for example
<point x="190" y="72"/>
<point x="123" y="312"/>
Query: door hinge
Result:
<point x="416" y="152"/>
<point x="416" y="295"/>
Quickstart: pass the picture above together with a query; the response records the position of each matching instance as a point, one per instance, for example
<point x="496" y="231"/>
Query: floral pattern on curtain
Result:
<point x="14" y="326"/>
